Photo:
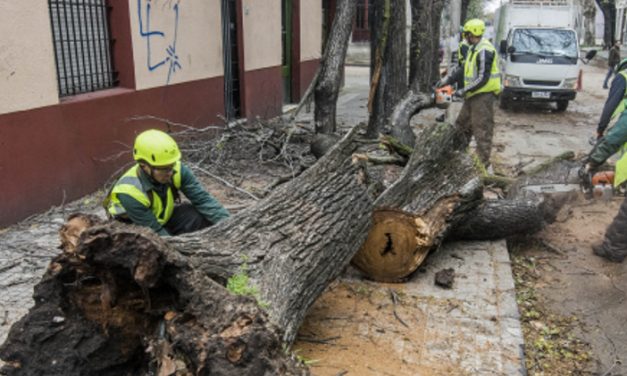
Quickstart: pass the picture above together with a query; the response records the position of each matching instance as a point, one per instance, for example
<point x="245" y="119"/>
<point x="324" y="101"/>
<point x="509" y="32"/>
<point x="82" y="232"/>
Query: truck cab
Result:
<point x="539" y="64"/>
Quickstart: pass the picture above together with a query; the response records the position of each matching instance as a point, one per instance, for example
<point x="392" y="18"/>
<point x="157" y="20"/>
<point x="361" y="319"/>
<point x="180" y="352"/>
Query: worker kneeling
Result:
<point x="147" y="194"/>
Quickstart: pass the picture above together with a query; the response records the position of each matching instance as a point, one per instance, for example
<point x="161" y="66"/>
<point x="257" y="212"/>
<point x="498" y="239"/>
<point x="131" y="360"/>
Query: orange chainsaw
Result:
<point x="443" y="96"/>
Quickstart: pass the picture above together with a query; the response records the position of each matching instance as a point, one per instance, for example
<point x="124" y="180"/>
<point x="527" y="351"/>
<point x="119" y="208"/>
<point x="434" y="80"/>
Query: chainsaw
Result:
<point x="443" y="96"/>
<point x="596" y="185"/>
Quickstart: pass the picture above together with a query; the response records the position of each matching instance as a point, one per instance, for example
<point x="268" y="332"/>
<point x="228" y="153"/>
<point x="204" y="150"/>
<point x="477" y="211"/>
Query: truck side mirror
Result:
<point x="503" y="47"/>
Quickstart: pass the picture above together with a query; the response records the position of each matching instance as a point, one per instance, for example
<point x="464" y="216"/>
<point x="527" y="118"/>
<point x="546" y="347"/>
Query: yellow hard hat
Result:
<point x="475" y="27"/>
<point x="156" y="148"/>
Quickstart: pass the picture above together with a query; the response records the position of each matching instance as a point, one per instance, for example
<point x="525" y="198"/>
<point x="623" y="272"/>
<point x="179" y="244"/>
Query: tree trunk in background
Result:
<point x="328" y="86"/>
<point x="425" y="41"/>
<point x="589" y="13"/>
<point x="423" y="68"/>
<point x="389" y="68"/>
<point x="464" y="12"/>
<point x="608" y="7"/>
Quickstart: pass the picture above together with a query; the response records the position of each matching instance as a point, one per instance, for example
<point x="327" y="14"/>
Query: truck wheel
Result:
<point x="562" y="106"/>
<point x="504" y="103"/>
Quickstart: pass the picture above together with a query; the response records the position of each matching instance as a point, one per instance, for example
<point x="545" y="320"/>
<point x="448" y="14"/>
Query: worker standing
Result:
<point x="482" y="84"/>
<point x="614" y="245"/>
<point x="147" y="193"/>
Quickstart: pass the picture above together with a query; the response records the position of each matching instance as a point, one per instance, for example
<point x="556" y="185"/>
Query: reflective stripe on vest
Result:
<point x="471" y="71"/>
<point x="622" y="105"/>
<point x="460" y="55"/>
<point x="620" y="170"/>
<point x="130" y="184"/>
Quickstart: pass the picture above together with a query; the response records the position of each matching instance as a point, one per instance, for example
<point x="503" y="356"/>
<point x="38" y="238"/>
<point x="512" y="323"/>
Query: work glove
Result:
<point x="585" y="175"/>
<point x="441" y="82"/>
<point x="459" y="93"/>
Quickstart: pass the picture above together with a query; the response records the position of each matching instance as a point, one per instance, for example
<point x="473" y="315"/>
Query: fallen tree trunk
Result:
<point x="292" y="243"/>
<point x="134" y="302"/>
<point x="401" y="237"/>
<point x="524" y="211"/>
<point x="498" y="219"/>
<point x="437" y="187"/>
<point x="125" y="302"/>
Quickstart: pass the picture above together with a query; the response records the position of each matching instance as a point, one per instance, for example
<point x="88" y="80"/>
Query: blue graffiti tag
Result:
<point x="171" y="58"/>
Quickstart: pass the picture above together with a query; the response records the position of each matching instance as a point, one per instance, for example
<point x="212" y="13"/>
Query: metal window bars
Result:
<point x="82" y="45"/>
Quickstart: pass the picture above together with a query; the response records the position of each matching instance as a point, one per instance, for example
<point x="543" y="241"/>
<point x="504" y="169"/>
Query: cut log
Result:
<point x="438" y="186"/>
<point x="498" y="219"/>
<point x="524" y="212"/>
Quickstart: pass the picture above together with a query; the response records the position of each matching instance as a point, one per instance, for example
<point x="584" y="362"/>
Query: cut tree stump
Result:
<point x="437" y="187"/>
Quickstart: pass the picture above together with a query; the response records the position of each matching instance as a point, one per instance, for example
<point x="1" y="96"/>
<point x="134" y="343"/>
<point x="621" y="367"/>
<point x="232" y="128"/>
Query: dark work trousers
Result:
<point x="476" y="118"/>
<point x="185" y="218"/>
<point x="610" y="72"/>
<point x="615" y="240"/>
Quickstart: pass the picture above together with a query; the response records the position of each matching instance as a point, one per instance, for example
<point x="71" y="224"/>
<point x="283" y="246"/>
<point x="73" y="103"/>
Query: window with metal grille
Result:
<point x="82" y="45"/>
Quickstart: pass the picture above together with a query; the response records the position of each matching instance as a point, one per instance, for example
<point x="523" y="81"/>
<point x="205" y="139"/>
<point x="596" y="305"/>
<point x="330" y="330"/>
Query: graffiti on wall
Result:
<point x="160" y="43"/>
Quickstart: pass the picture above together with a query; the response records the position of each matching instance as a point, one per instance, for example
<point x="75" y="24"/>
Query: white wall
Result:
<point x="177" y="41"/>
<point x="262" y="33"/>
<point x="310" y="29"/>
<point x="27" y="67"/>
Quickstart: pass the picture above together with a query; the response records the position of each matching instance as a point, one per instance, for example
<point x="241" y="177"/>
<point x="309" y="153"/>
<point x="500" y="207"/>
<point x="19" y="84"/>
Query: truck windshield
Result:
<point x="546" y="42"/>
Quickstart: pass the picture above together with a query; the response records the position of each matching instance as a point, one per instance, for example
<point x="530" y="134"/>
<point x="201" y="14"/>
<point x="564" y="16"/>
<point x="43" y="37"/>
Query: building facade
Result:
<point x="80" y="78"/>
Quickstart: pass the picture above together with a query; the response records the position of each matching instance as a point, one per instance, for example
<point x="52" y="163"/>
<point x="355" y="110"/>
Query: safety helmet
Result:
<point x="156" y="148"/>
<point x="475" y="27"/>
<point x="622" y="65"/>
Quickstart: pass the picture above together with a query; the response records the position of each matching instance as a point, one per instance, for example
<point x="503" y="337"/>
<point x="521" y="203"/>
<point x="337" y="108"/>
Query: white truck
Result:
<point x="539" y="51"/>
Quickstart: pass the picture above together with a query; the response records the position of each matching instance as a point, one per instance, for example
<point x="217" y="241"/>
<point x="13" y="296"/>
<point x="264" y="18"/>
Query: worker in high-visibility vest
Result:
<point x="482" y="84"/>
<point x="462" y="52"/>
<point x="147" y="194"/>
<point x="614" y="245"/>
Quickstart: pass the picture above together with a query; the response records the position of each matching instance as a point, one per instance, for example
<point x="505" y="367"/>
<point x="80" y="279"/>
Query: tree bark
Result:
<point x="399" y="126"/>
<point x="329" y="81"/>
<point x="524" y="212"/>
<point x="389" y="78"/>
<point x="608" y="7"/>
<point x="463" y="17"/>
<point x="423" y="71"/>
<point x="498" y="219"/>
<point x="438" y="186"/>
<point x="589" y="13"/>
<point x="424" y="45"/>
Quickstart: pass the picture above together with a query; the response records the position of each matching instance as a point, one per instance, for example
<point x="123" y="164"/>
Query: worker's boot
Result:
<point x="599" y="250"/>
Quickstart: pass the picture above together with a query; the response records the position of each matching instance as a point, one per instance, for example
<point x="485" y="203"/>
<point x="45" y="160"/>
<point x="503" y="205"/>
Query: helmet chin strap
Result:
<point x="150" y="171"/>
